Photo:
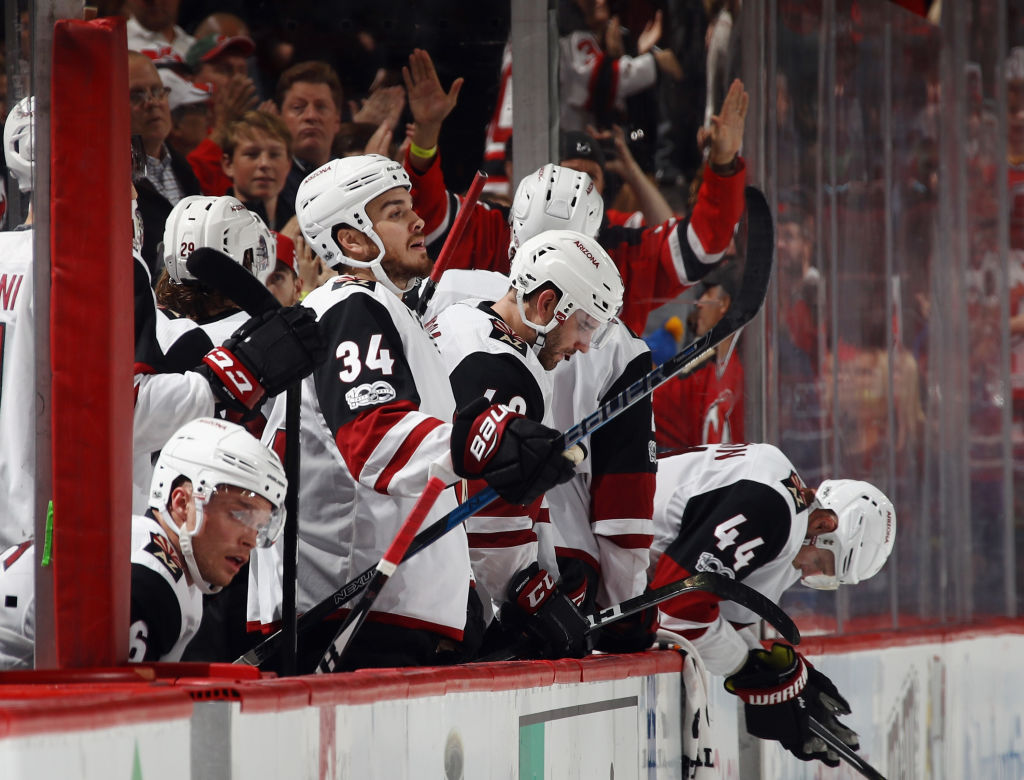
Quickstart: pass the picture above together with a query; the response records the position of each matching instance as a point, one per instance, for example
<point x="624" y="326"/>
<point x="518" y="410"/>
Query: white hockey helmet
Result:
<point x="864" y="536"/>
<point x="337" y="194"/>
<point x="554" y="198"/>
<point x="223" y="224"/>
<point x="212" y="453"/>
<point x="581" y="270"/>
<point x="19" y="145"/>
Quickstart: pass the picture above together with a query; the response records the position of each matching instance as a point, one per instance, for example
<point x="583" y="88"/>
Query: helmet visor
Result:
<point x="251" y="510"/>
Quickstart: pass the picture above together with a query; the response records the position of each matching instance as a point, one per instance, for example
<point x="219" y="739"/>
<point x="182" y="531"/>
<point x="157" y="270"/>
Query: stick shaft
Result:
<point x="459" y="225"/>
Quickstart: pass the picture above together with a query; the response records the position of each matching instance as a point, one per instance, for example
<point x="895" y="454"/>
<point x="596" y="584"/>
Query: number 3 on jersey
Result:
<point x="376" y="359"/>
<point x="726" y="533"/>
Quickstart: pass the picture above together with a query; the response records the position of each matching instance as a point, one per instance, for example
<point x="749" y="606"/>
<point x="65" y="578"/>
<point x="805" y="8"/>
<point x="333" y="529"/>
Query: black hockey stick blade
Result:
<point x="724" y="587"/>
<point x="217" y="270"/>
<point x="845" y="752"/>
<point x="757" y="271"/>
<point x="749" y="299"/>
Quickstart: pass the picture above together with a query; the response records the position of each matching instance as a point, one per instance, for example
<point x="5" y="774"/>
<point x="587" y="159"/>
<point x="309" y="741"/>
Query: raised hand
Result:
<point x="725" y="136"/>
<point x="384" y="106"/>
<point x="428" y="101"/>
<point x="650" y="35"/>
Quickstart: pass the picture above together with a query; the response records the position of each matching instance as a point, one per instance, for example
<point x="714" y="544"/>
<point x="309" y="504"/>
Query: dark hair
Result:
<point x="311" y="72"/>
<point x="190" y="299"/>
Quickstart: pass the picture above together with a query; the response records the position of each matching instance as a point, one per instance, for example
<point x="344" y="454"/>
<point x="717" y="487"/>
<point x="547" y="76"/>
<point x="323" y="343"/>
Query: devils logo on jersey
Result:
<point x="502" y="332"/>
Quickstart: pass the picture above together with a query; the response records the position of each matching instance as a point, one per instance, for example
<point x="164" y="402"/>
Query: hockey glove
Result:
<point x="264" y="356"/>
<point x="780" y="690"/>
<point x="519" y="458"/>
<point x="632" y="634"/>
<point x="537" y="609"/>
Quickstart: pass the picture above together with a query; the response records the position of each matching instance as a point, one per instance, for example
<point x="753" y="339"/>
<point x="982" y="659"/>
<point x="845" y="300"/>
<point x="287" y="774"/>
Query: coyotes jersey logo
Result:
<point x="160" y="548"/>
<point x="795" y="487"/>
<point x="503" y="333"/>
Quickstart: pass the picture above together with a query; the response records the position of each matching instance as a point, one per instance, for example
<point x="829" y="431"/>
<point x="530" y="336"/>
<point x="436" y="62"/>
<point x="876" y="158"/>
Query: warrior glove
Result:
<point x="519" y="458"/>
<point x="264" y="356"/>
<point x="781" y="690"/>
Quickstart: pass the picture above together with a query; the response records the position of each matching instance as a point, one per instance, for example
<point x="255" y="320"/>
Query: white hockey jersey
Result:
<point x="17" y="606"/>
<point x="165" y="609"/>
<point x="732" y="509"/>
<point x="375" y="420"/>
<point x="17" y="389"/>
<point x="486" y="358"/>
<point x="603" y="515"/>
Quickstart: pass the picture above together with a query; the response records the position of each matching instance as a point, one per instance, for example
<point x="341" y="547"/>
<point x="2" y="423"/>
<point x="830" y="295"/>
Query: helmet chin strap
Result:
<point x="185" y="542"/>
<point x="541" y="330"/>
<point x="377" y="269"/>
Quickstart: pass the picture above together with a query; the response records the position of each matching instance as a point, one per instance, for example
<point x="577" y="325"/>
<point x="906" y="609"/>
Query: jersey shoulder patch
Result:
<point x="160" y="548"/>
<point x="500" y="331"/>
<point x="795" y="487"/>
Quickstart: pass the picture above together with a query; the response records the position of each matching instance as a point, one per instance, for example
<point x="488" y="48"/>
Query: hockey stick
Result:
<point x="754" y="286"/>
<point x="426" y="289"/>
<point x="217" y="270"/>
<point x="845" y="752"/>
<point x="385" y="568"/>
<point x="724" y="587"/>
<point x="459" y="225"/>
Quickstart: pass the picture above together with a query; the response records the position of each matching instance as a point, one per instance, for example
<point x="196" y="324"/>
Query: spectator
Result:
<point x="168" y="175"/>
<point x="705" y="407"/>
<point x="257" y="158"/>
<point x="220" y="61"/>
<point x="152" y="26"/>
<point x="190" y="112"/>
<point x="309" y="97"/>
<point x="284" y="281"/>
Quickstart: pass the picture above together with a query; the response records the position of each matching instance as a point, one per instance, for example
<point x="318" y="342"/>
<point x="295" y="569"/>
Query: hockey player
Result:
<point x="656" y="263"/>
<point x="276" y="348"/>
<point x="376" y="421"/>
<point x="742" y="510"/>
<point x="217" y="494"/>
<point x="564" y="292"/>
<point x="17" y="345"/>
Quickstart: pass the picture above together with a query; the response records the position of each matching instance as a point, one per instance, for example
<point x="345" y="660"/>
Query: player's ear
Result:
<point x="181" y="497"/>
<point x="354" y="243"/>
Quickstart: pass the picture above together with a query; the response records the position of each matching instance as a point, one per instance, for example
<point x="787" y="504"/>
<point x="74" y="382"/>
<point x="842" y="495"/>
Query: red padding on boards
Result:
<point x="91" y="342"/>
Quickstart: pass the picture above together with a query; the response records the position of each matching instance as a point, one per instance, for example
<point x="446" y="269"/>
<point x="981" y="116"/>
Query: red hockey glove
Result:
<point x="538" y="609"/>
<point x="264" y="356"/>
<point x="780" y="690"/>
<point x="519" y="458"/>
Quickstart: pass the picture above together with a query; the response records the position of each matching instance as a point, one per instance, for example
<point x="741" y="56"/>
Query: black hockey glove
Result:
<point x="632" y="634"/>
<point x="780" y="690"/>
<point x="264" y="356"/>
<point x="537" y="609"/>
<point x="519" y="458"/>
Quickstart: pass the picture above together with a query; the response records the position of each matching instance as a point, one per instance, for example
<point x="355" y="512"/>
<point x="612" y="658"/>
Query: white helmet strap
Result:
<point x="185" y="542"/>
<point x="376" y="266"/>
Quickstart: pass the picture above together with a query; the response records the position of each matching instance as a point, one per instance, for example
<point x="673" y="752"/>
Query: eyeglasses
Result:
<point x="139" y="97"/>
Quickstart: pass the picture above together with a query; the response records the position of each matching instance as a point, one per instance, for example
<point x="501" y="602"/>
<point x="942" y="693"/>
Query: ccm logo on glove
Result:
<point x="231" y="371"/>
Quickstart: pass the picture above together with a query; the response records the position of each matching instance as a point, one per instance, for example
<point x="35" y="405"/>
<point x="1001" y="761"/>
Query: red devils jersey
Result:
<point x="734" y="510"/>
<point x="657" y="263"/>
<point x="705" y="407"/>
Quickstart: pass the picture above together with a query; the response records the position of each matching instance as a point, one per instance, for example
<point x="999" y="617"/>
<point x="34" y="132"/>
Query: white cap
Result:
<point x="183" y="92"/>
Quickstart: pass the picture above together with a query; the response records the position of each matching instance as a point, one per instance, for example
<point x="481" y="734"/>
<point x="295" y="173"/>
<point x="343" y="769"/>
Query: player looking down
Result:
<point x="742" y="510"/>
